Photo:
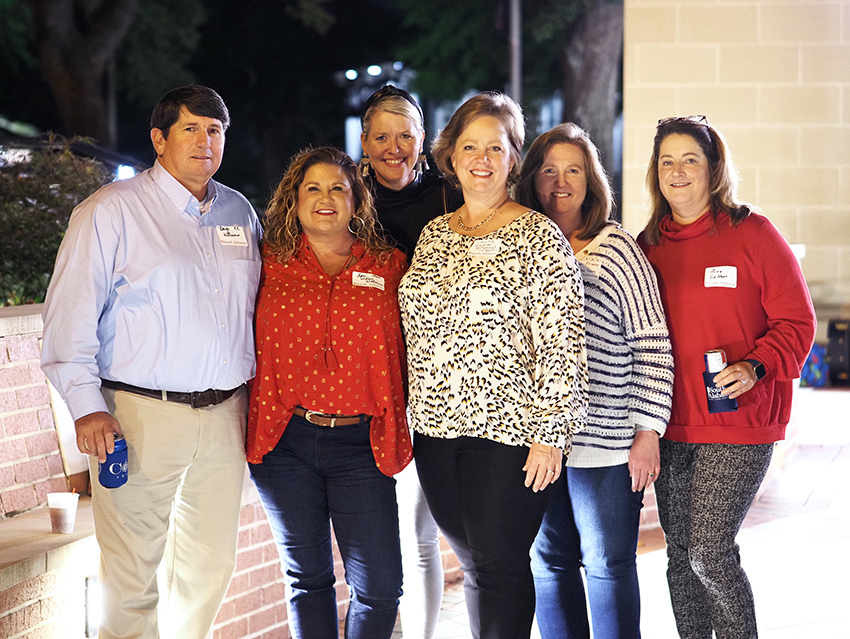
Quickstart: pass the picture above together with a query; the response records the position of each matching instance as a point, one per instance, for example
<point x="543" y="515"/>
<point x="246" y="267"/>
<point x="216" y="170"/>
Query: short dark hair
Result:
<point x="598" y="201"/>
<point x="198" y="100"/>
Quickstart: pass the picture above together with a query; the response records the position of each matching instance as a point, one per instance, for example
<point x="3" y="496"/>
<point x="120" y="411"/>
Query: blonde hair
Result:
<point x="282" y="228"/>
<point x="396" y="105"/>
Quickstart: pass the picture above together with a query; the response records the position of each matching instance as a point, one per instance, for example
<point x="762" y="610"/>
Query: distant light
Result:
<point x="398" y="66"/>
<point x="351" y="74"/>
<point x="125" y="172"/>
<point x="374" y="69"/>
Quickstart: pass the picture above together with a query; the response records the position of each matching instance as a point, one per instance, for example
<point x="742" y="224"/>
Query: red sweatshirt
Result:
<point x="742" y="290"/>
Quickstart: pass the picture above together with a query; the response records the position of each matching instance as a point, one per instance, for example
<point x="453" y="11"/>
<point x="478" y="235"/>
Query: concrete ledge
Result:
<point x="21" y="320"/>
<point x="29" y="549"/>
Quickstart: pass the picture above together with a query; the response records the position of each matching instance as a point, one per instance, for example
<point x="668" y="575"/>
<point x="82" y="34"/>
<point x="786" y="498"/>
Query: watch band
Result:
<point x="758" y="368"/>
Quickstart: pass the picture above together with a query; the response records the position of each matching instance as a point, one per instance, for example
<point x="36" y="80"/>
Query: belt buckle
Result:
<point x="202" y="399"/>
<point x="310" y="413"/>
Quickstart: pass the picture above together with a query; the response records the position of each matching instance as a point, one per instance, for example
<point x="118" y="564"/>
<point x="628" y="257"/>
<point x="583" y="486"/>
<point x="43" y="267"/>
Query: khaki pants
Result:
<point x="168" y="536"/>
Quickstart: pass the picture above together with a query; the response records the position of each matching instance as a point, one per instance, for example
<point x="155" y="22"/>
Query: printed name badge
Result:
<point x="721" y="277"/>
<point x="369" y="280"/>
<point x="232" y="236"/>
<point x="485" y="247"/>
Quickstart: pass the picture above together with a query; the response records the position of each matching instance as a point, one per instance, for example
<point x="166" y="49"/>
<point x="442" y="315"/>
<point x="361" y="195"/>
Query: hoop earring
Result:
<point x="365" y="163"/>
<point x="360" y="225"/>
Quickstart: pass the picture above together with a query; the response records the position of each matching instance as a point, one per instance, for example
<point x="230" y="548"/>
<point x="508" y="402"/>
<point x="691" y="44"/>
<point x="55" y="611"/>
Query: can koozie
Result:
<point x="113" y="472"/>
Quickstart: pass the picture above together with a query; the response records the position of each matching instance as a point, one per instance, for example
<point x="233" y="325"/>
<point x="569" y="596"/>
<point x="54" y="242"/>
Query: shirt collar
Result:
<point x="179" y="194"/>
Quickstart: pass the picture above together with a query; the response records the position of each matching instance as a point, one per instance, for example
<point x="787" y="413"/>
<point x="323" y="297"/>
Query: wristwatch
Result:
<point x="758" y="368"/>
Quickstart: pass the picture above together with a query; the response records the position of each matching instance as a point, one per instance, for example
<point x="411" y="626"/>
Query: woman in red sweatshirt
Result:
<point x="728" y="280"/>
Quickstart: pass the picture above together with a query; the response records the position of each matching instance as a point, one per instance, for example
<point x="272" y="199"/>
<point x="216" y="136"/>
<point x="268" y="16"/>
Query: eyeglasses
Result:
<point x="695" y="119"/>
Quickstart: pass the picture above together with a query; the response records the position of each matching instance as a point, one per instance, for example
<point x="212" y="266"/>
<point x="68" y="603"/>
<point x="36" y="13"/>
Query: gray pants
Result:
<point x="704" y="492"/>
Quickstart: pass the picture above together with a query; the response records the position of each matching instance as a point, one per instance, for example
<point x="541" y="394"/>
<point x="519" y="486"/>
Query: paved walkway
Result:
<point x="795" y="543"/>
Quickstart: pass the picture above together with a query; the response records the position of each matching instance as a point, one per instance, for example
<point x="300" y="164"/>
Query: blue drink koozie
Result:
<point x="113" y="472"/>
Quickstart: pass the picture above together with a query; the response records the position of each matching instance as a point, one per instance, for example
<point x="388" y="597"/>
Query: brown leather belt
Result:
<point x="196" y="399"/>
<point x="326" y="419"/>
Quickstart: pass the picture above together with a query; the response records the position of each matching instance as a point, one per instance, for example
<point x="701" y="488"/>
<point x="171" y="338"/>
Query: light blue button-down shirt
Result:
<point x="149" y="291"/>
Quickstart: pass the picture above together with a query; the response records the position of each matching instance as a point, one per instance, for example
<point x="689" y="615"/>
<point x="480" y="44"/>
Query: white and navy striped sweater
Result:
<point x="630" y="362"/>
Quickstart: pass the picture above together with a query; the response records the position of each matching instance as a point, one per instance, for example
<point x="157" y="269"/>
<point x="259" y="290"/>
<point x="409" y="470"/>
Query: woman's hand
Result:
<point x="740" y="375"/>
<point x="543" y="466"/>
<point x="644" y="459"/>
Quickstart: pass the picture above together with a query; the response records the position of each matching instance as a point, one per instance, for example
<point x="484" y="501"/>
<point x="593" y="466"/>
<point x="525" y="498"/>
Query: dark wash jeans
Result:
<point x="314" y="476"/>
<point x="592" y="522"/>
<point x="475" y="491"/>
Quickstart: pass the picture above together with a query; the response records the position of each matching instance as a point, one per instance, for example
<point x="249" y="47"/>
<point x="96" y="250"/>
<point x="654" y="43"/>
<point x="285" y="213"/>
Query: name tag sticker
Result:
<point x="369" y="280"/>
<point x="721" y="277"/>
<point x="232" y="236"/>
<point x="485" y="247"/>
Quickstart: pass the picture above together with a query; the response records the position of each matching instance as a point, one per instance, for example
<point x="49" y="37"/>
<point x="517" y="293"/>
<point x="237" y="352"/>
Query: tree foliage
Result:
<point x="463" y="45"/>
<point x="76" y="41"/>
<point x="570" y="47"/>
<point x="154" y="57"/>
<point x="37" y="196"/>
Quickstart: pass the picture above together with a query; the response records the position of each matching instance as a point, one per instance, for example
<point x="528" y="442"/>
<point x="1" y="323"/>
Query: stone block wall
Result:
<point x="774" y="77"/>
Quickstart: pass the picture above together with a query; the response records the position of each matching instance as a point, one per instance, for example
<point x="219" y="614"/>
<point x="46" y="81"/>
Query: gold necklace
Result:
<point x="484" y="221"/>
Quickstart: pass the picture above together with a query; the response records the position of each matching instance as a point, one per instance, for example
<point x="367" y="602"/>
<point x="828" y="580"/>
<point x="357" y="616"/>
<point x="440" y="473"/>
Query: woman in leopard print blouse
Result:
<point x="492" y="309"/>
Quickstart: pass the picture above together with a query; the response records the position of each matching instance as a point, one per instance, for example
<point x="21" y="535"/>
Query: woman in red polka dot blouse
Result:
<point x="327" y="428"/>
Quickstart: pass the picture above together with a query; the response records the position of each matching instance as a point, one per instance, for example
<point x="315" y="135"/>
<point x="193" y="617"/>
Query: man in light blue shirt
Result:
<point x="148" y="333"/>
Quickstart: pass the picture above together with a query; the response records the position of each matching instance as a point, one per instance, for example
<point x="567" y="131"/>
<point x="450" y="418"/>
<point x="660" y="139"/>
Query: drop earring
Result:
<point x="364" y="165"/>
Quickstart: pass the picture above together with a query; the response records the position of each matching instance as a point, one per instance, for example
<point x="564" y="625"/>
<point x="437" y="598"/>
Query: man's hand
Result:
<point x="95" y="434"/>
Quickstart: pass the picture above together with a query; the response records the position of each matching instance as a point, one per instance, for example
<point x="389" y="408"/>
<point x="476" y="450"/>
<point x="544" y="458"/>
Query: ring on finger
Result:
<point x="743" y="382"/>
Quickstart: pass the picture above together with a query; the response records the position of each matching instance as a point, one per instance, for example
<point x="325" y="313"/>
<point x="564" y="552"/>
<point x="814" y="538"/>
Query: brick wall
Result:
<point x="774" y="77"/>
<point x="30" y="463"/>
<point x="50" y="606"/>
<point x="255" y="604"/>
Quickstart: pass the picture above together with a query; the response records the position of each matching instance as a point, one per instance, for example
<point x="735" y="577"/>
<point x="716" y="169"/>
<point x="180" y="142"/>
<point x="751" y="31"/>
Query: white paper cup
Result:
<point x="63" y="511"/>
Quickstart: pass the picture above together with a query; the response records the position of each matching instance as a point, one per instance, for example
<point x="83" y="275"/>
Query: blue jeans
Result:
<point x="317" y="475"/>
<point x="592" y="522"/>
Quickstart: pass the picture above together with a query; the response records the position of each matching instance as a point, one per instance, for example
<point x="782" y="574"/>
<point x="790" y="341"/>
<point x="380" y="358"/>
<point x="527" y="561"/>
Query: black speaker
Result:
<point x="838" y="352"/>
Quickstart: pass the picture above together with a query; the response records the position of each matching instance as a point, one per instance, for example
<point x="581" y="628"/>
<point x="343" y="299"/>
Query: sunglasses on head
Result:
<point x="695" y="119"/>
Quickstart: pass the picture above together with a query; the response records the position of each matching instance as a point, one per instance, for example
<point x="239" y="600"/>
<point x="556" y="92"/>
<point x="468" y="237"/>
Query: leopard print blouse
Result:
<point x="495" y="334"/>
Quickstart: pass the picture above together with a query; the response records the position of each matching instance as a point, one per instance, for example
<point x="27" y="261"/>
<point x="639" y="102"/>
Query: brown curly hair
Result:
<point x="282" y="228"/>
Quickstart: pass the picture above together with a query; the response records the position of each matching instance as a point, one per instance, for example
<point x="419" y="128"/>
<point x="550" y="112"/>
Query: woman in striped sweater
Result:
<point x="592" y="519"/>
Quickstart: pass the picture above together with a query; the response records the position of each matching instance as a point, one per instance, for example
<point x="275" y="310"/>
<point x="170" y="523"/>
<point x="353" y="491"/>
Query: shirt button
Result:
<point x="223" y="325"/>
